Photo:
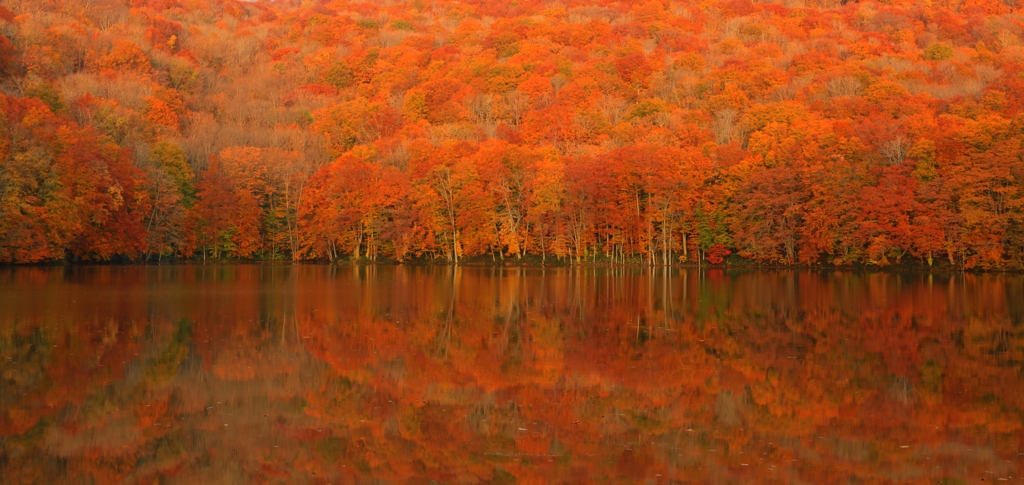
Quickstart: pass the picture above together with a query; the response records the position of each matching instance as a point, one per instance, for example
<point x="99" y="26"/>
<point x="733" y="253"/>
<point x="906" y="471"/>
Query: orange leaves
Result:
<point x="246" y="219"/>
<point x="759" y="116"/>
<point x="443" y="100"/>
<point x="163" y="34"/>
<point x="504" y="78"/>
<point x="352" y="208"/>
<point x="209" y="219"/>
<point x="126" y="56"/>
<point x="582" y="36"/>
<point x="887" y="213"/>
<point x="329" y="31"/>
<point x="634" y="69"/>
<point x="830" y="94"/>
<point x="716" y="254"/>
<point x="8" y="55"/>
<point x="250" y="207"/>
<point x="536" y="88"/>
<point x="888" y="96"/>
<point x="65" y="191"/>
<point x="160" y="113"/>
<point x="414" y="106"/>
<point x="248" y="167"/>
<point x="358" y="121"/>
<point x="279" y="54"/>
<point x="730" y="96"/>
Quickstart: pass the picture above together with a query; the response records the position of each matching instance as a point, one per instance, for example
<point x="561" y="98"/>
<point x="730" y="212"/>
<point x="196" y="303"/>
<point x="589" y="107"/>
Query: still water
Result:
<point x="314" y="374"/>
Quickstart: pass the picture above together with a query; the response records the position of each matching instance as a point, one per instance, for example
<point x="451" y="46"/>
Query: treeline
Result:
<point x="657" y="132"/>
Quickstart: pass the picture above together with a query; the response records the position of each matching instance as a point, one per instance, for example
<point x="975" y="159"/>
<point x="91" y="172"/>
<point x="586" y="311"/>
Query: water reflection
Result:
<point x="312" y="374"/>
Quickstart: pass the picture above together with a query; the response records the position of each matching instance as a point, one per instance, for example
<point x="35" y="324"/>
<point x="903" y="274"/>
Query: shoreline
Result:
<point x="938" y="269"/>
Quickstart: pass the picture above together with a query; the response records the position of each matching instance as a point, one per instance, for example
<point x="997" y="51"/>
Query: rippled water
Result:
<point x="313" y="374"/>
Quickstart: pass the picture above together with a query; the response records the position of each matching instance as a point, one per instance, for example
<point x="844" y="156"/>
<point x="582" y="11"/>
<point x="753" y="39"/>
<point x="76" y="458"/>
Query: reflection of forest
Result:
<point x="308" y="374"/>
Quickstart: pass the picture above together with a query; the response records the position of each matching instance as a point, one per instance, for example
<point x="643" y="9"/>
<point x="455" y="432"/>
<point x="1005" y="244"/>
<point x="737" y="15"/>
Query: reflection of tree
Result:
<point x="512" y="335"/>
<point x="410" y="373"/>
<point x="443" y="339"/>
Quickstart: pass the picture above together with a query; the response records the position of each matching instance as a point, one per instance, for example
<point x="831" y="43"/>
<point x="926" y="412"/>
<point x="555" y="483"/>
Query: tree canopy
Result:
<point x="810" y="132"/>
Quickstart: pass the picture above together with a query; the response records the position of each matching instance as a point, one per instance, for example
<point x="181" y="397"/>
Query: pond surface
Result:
<point x="315" y="374"/>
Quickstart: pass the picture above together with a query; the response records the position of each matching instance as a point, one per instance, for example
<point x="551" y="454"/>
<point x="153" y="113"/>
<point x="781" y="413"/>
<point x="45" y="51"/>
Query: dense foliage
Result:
<point x="810" y="132"/>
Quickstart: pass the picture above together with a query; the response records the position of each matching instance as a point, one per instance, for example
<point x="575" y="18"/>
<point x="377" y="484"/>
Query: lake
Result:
<point x="397" y="374"/>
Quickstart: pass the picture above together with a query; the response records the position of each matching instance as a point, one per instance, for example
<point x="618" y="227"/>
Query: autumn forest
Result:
<point x="811" y="132"/>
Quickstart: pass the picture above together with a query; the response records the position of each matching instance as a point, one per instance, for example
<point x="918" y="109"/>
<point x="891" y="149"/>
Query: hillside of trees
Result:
<point x="802" y="132"/>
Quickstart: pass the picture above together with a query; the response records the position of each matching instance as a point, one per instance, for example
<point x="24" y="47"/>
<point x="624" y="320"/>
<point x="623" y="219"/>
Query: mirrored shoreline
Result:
<point x="315" y="374"/>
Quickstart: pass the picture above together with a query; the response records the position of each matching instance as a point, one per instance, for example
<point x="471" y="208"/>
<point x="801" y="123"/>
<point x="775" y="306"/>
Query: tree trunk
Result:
<point x="686" y="251"/>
